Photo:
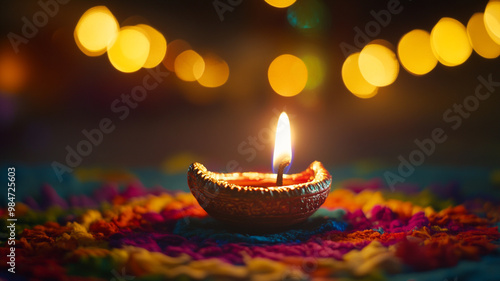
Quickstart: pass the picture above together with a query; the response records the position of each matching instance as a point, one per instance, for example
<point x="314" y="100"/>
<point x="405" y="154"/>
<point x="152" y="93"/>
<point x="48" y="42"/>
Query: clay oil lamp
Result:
<point x="262" y="201"/>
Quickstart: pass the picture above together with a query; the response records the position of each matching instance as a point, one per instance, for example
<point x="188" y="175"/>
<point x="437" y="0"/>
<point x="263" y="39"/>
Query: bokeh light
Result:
<point x="13" y="73"/>
<point x="287" y="75"/>
<point x="307" y="14"/>
<point x="495" y="176"/>
<point x="492" y="20"/>
<point x="118" y="176"/>
<point x="479" y="38"/>
<point x="177" y="163"/>
<point x="450" y="43"/>
<point x="378" y="64"/>
<point x="174" y="48"/>
<point x="280" y="3"/>
<point x="216" y="72"/>
<point x="415" y="52"/>
<point x="95" y="30"/>
<point x="130" y="50"/>
<point x="157" y="46"/>
<point x="189" y="65"/>
<point x="315" y="71"/>
<point x="354" y="81"/>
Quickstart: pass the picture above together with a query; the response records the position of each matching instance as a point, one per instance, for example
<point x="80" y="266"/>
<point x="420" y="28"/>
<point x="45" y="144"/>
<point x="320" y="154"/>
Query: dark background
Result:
<point x="65" y="91"/>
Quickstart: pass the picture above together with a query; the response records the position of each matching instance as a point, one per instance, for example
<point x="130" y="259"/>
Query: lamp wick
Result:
<point x="281" y="169"/>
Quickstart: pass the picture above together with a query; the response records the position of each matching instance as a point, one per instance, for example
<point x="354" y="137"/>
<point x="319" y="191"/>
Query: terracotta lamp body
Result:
<point x="252" y="200"/>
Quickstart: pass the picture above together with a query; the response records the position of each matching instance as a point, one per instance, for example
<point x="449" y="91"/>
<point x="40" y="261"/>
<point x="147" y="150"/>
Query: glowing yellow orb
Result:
<point x="479" y="38"/>
<point x="315" y="71"/>
<point x="354" y="81"/>
<point x="174" y="48"/>
<point x="450" y="43"/>
<point x="415" y="52"/>
<point x="280" y="3"/>
<point x="216" y="72"/>
<point x="492" y="20"/>
<point x="130" y="50"/>
<point x="189" y="65"/>
<point x="378" y="65"/>
<point x="157" y="46"/>
<point x="95" y="30"/>
<point x="287" y="75"/>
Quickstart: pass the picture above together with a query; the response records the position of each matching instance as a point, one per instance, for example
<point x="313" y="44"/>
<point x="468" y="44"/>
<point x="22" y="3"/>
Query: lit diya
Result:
<point x="262" y="200"/>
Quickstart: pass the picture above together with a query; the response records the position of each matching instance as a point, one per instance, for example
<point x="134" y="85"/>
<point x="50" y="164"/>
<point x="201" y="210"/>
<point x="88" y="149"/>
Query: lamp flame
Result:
<point x="282" y="143"/>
